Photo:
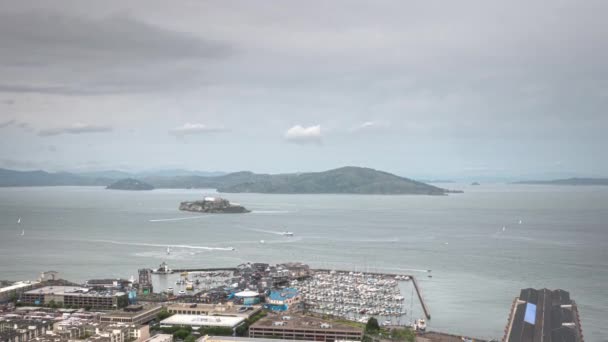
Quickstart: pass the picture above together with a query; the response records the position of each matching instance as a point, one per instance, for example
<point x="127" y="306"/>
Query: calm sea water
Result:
<point x="477" y="268"/>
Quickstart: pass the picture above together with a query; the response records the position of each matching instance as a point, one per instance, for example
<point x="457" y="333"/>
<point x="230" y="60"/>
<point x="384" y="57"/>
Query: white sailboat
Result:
<point x="19" y="220"/>
<point x="168" y="250"/>
<point x="22" y="232"/>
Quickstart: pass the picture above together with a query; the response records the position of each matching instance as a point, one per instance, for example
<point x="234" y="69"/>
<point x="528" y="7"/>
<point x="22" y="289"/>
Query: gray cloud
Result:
<point x="7" y="123"/>
<point x="50" y="52"/>
<point x="77" y="128"/>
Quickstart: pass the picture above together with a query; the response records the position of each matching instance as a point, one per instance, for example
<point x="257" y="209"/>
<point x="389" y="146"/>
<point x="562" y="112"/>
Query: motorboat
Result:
<point x="287" y="233"/>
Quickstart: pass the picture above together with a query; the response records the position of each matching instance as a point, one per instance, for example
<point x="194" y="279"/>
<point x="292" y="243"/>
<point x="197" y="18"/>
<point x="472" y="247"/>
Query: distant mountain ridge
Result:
<point x="130" y="184"/>
<point x="344" y="180"/>
<point x="568" y="181"/>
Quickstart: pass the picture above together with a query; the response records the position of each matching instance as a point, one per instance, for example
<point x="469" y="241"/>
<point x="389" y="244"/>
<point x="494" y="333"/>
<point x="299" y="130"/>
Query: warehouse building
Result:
<point x="132" y="314"/>
<point x="303" y="328"/>
<point x="199" y="321"/>
<point x="76" y="297"/>
<point x="543" y="316"/>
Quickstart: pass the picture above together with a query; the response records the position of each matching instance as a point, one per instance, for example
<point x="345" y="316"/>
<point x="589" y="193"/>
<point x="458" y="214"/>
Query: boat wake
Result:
<point x="267" y="231"/>
<point x="178" y="218"/>
<point x="160" y="245"/>
<point x="270" y="211"/>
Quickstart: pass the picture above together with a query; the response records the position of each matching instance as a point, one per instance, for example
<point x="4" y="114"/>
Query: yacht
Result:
<point x="287" y="233"/>
<point x="169" y="290"/>
<point x="420" y="325"/>
<point x="181" y="292"/>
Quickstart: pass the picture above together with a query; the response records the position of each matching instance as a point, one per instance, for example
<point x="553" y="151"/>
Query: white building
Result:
<point x="198" y="321"/>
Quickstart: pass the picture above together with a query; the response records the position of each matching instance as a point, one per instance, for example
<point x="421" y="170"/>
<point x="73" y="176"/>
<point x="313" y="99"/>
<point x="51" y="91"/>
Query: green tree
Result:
<point x="163" y="314"/>
<point x="190" y="338"/>
<point x="182" y="333"/>
<point x="372" y="326"/>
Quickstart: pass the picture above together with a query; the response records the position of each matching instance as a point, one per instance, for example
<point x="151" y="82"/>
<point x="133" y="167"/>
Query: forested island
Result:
<point x="130" y="184"/>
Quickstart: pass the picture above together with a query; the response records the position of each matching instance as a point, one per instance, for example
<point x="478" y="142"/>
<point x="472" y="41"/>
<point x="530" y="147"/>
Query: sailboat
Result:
<point x="168" y="250"/>
<point x="19" y="220"/>
<point x="520" y="222"/>
<point x="22" y="232"/>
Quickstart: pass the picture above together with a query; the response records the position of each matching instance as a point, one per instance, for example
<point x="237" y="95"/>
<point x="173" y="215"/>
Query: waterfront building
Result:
<point x="213" y="309"/>
<point x="132" y="314"/>
<point x="281" y="300"/>
<point x="303" y="328"/>
<point x="543" y="316"/>
<point x="8" y="292"/>
<point x="77" y="297"/>
<point x="199" y="321"/>
<point x="208" y="338"/>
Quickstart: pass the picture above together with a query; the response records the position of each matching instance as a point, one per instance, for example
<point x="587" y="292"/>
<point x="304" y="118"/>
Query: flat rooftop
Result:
<point x="72" y="290"/>
<point x="201" y="320"/>
<point x="543" y="314"/>
<point x="216" y="309"/>
<point x="18" y="285"/>
<point x="241" y="339"/>
<point x="122" y="313"/>
<point x="301" y="322"/>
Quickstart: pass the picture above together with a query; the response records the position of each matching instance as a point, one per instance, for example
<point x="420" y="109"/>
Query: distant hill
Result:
<point x="130" y="184"/>
<point x="43" y="178"/>
<point x="568" y="181"/>
<point x="345" y="180"/>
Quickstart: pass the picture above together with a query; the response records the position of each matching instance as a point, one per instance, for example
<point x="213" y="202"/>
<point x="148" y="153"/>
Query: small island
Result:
<point x="213" y="205"/>
<point x="130" y="184"/>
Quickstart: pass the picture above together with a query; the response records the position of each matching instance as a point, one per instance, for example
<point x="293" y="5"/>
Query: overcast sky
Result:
<point x="420" y="88"/>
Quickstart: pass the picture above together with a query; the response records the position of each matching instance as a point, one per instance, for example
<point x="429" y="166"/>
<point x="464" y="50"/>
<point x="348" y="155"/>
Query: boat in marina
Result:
<point x="163" y="269"/>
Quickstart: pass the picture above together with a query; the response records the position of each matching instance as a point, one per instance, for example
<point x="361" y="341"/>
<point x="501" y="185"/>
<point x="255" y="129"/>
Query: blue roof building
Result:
<point x="280" y="300"/>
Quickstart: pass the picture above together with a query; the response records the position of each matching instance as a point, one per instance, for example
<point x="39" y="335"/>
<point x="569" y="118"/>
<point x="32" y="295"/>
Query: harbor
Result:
<point x="353" y="296"/>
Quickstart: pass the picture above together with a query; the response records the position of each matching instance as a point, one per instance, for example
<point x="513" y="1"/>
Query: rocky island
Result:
<point x="213" y="205"/>
<point x="130" y="184"/>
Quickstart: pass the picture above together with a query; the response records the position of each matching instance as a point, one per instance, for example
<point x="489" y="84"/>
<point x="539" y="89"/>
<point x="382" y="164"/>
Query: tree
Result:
<point x="163" y="314"/>
<point x="372" y="326"/>
<point x="182" y="333"/>
<point x="190" y="338"/>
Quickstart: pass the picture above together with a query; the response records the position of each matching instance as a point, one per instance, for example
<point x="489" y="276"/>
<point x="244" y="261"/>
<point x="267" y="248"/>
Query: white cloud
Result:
<point x="370" y="126"/>
<point x="300" y="134"/>
<point x="77" y="128"/>
<point x="194" y="128"/>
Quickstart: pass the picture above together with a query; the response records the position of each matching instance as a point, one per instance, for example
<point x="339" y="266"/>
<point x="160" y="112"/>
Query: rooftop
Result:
<point x="283" y="294"/>
<point x="290" y="321"/>
<point x="201" y="320"/>
<point x="543" y="315"/>
<point x="240" y="339"/>
<point x="18" y="285"/>
<point x="132" y="313"/>
<point x="72" y="290"/>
